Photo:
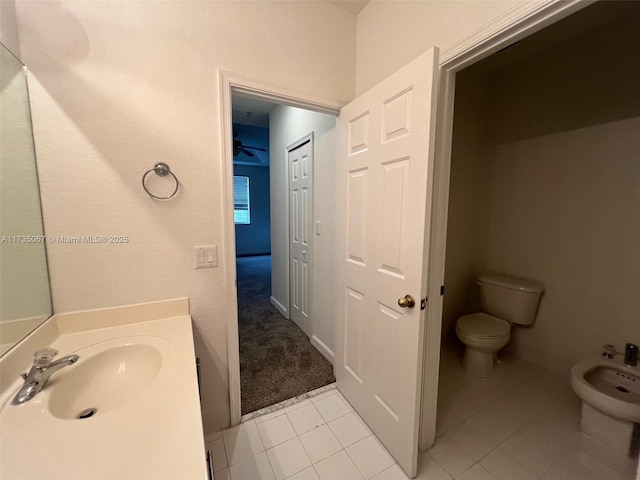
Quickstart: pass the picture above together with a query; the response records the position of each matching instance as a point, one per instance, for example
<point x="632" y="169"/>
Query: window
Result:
<point x="241" y="214"/>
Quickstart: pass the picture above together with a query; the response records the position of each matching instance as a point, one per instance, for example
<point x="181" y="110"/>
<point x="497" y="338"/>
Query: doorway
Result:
<point x="540" y="157"/>
<point x="283" y="338"/>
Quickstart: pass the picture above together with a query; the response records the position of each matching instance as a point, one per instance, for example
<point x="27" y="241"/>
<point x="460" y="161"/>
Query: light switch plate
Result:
<point x="206" y="256"/>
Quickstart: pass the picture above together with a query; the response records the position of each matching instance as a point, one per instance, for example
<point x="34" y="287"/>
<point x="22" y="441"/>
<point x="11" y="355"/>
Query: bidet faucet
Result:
<point x="631" y="354"/>
<point x="43" y="367"/>
<point x="609" y="351"/>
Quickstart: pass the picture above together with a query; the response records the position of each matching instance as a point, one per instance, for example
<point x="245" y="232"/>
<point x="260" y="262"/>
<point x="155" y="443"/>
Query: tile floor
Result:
<point x="522" y="423"/>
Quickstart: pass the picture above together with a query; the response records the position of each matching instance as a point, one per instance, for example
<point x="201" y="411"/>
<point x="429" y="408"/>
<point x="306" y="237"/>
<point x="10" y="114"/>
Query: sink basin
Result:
<point x="610" y="386"/>
<point x="618" y="384"/>
<point x="136" y="376"/>
<point x="103" y="381"/>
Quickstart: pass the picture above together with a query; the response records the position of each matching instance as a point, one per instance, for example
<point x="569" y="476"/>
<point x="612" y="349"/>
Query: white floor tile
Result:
<point x="505" y="468"/>
<point x="369" y="456"/>
<point x="579" y="469"/>
<point x="213" y="436"/>
<point x="305" y="418"/>
<point x="252" y="468"/>
<point x="331" y="407"/>
<point x="331" y="391"/>
<point x="344" y="399"/>
<point x="477" y="472"/>
<point x="218" y="454"/>
<point x="451" y="457"/>
<point x="471" y="441"/>
<point x="320" y="443"/>
<point x="501" y="420"/>
<point x="222" y="475"/>
<point x="550" y="434"/>
<point x="307" y="474"/>
<point x="349" y="429"/>
<point x="235" y="429"/>
<point x="429" y="469"/>
<point x="276" y="431"/>
<point x="298" y="405"/>
<point x="616" y="461"/>
<point x="527" y="455"/>
<point x="269" y="416"/>
<point x="242" y="443"/>
<point x="338" y="467"/>
<point x="394" y="472"/>
<point x="287" y="459"/>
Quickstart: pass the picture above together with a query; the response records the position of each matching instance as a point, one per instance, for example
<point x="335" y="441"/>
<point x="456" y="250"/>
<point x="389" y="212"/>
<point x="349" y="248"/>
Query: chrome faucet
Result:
<point x="43" y="367"/>
<point x="631" y="354"/>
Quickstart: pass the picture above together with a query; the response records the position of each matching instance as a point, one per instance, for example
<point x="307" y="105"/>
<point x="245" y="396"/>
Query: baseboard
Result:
<point x="322" y="348"/>
<point x="281" y="308"/>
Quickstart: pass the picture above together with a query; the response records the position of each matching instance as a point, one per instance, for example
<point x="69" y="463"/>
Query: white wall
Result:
<point x="564" y="193"/>
<point x="118" y="86"/>
<point x="287" y="125"/>
<point x="392" y="33"/>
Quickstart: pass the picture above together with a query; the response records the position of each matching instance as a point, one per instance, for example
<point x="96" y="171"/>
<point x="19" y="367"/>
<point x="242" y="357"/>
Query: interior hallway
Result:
<point x="277" y="361"/>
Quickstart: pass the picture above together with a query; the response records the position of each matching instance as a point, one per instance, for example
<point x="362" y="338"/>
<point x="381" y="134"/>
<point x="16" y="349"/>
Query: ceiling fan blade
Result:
<point x="248" y="153"/>
<point x="260" y="149"/>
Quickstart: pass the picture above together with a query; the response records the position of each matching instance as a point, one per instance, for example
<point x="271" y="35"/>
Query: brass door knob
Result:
<point x="407" y="301"/>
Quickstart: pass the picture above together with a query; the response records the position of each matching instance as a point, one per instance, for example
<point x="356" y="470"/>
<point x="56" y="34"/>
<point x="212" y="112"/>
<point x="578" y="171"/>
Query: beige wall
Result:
<point x="564" y="193"/>
<point x="392" y="33"/>
<point x="286" y="126"/>
<point x="467" y="228"/>
<point x="118" y="86"/>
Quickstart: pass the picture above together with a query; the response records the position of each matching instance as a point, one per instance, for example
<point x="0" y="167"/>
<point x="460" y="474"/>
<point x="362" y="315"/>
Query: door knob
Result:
<point x="407" y="301"/>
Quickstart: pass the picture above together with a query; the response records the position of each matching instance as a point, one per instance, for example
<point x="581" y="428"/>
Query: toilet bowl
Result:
<point x="504" y="301"/>
<point x="483" y="336"/>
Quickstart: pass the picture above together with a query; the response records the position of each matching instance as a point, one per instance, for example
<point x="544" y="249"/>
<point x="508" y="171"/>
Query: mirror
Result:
<point x="25" y="296"/>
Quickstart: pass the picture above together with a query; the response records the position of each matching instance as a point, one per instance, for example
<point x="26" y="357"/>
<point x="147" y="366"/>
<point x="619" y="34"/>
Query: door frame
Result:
<point x="230" y="83"/>
<point x="513" y="25"/>
<point x="308" y="138"/>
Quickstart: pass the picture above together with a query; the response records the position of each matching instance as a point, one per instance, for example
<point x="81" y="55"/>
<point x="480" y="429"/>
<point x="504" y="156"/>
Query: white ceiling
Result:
<point x="353" y="6"/>
<point x="250" y="110"/>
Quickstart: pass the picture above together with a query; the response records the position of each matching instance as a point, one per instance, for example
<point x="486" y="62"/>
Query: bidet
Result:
<point x="610" y="392"/>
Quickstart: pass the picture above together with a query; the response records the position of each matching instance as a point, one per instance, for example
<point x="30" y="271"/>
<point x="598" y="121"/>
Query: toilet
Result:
<point x="504" y="301"/>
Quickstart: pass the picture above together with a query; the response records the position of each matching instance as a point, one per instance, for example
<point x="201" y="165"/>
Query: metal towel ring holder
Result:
<point x="162" y="170"/>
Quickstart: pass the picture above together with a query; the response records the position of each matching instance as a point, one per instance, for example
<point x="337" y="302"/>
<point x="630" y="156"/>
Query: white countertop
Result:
<point x="156" y="434"/>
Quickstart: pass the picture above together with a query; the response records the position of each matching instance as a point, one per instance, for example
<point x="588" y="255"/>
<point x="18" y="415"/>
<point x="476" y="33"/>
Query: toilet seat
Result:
<point x="483" y="326"/>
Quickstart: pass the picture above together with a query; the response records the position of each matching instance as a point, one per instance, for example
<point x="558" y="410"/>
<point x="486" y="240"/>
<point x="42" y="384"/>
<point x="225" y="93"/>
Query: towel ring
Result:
<point x="162" y="170"/>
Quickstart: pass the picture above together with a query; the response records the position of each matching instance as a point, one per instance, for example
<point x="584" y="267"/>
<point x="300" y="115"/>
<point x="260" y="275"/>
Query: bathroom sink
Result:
<point x="128" y="408"/>
<point x="103" y="380"/>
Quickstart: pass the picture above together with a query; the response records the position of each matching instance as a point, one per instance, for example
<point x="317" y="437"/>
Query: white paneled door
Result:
<point x="300" y="198"/>
<point x="385" y="165"/>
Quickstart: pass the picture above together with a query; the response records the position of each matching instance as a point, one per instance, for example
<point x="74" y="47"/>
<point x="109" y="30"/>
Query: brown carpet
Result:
<point x="277" y="361"/>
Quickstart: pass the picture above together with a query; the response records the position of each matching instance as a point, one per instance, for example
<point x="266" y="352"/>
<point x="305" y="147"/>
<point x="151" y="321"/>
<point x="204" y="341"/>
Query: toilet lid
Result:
<point x="483" y="325"/>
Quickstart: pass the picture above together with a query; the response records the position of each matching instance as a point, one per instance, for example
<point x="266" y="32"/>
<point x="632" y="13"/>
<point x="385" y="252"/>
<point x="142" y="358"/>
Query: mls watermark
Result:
<point x="65" y="239"/>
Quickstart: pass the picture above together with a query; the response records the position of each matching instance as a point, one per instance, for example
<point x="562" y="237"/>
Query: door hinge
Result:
<point x="441" y="290"/>
<point x="423" y="303"/>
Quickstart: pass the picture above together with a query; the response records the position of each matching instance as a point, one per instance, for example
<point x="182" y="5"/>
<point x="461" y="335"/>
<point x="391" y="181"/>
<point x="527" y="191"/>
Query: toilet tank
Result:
<point x="511" y="299"/>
